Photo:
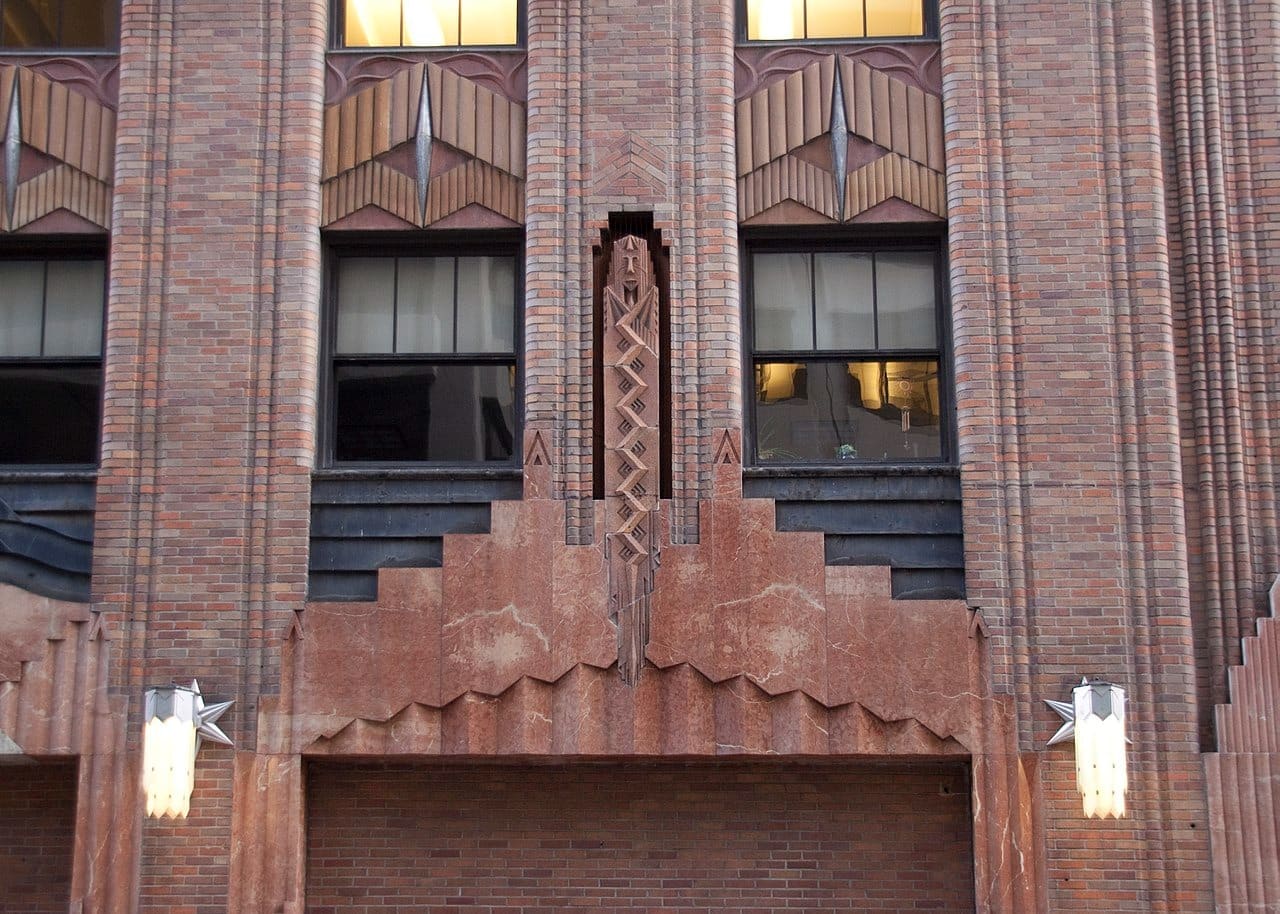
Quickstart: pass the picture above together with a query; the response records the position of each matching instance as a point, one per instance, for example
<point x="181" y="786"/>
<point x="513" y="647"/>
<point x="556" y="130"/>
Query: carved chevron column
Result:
<point x="631" y="436"/>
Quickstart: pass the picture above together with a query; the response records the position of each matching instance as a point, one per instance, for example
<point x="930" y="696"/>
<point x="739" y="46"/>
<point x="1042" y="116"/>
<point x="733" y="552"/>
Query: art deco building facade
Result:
<point x="639" y="456"/>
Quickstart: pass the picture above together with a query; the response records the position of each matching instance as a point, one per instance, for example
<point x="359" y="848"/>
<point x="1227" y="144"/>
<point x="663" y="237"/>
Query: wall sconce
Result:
<point x="176" y="720"/>
<point x="1095" y="716"/>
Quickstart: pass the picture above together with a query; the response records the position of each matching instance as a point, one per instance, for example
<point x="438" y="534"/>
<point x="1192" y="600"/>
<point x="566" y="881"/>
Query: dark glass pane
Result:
<point x="49" y="414"/>
<point x="90" y="23"/>
<point x="452" y="413"/>
<point x="30" y="23"/>
<point x="841" y="412"/>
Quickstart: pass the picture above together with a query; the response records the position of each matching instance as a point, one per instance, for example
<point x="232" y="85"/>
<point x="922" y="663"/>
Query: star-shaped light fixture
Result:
<point x="1095" y="717"/>
<point x="177" y="721"/>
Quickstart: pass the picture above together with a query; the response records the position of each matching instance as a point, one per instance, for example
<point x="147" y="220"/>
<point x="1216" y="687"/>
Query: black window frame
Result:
<point x="930" y="33"/>
<point x="789" y="241"/>
<point x="55" y="250"/>
<point x="337" y="35"/>
<point x="473" y="243"/>
<point x="111" y="47"/>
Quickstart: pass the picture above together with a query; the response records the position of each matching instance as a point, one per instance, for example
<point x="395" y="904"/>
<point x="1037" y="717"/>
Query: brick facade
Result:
<point x="728" y="837"/>
<point x="1109" y="229"/>
<point x="38" y="809"/>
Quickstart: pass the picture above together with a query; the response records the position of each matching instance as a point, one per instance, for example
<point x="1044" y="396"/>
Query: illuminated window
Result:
<point x="50" y="360"/>
<point x="846" y="356"/>
<point x="69" y="24"/>
<point x="429" y="23"/>
<point x="424" y="359"/>
<point x="798" y="20"/>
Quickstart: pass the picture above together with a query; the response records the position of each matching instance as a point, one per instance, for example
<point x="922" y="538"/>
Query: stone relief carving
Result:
<point x="631" y="445"/>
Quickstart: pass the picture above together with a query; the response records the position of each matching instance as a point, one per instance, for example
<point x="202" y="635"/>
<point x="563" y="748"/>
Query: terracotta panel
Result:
<point x="73" y="144"/>
<point x="468" y="117"/>
<point x="778" y="118"/>
<point x="744" y="131"/>
<point x="364" y="125"/>
<point x="936" y="137"/>
<point x="917" y="126"/>
<point x="402" y="120"/>
<point x="413" y="98"/>
<point x="813" y="122"/>
<point x="381" y="139"/>
<point x="347" y="135"/>
<point x="445" y="119"/>
<point x="518" y="146"/>
<point x="33" y="100"/>
<point x="59" y="102"/>
<point x="899" y="117"/>
<point x="760" y="114"/>
<point x="332" y="122"/>
<point x="793" y="87"/>
<point x="500" y="154"/>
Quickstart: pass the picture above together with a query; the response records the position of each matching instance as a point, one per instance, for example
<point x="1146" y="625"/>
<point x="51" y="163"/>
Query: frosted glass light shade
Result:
<point x="1102" y="774"/>
<point x="169" y="751"/>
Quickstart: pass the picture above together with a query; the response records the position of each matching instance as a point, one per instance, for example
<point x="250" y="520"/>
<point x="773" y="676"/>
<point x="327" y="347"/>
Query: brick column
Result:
<point x="1067" y="398"/>
<point x="203" y="504"/>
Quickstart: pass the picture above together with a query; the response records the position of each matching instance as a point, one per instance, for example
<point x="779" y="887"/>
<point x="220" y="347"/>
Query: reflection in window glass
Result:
<point x="59" y="23"/>
<point x="424" y="304"/>
<point x="817" y="411"/>
<point x="50" y="360"/>
<point x="486" y="291"/>
<point x="445" y="391"/>
<point x="446" y="412"/>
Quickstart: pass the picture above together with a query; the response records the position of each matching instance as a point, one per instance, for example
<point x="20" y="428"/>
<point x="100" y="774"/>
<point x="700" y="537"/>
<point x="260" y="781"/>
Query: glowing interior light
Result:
<point x="1102" y="775"/>
<point x="422" y="27"/>
<point x="774" y="21"/>
<point x="373" y="23"/>
<point x="169" y="751"/>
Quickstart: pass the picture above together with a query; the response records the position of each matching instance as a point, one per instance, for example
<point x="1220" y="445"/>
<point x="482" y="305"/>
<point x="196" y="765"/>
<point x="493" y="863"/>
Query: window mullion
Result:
<point x="44" y="307"/>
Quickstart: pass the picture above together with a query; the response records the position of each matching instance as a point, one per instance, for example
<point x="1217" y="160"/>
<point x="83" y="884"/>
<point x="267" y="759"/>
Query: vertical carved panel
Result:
<point x="632" y="445"/>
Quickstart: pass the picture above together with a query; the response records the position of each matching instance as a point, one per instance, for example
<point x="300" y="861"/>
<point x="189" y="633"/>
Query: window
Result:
<point x="83" y="24"/>
<point x="424" y="363"/>
<point x="50" y="360"/>
<point x="428" y="23"/>
<point x="846" y="360"/>
<point x="798" y="20"/>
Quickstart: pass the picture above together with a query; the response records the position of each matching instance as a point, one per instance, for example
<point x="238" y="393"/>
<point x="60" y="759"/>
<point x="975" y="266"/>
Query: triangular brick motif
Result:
<point x="294" y="632"/>
<point x="727" y="453"/>
<point x="537" y="454"/>
<point x="98" y="629"/>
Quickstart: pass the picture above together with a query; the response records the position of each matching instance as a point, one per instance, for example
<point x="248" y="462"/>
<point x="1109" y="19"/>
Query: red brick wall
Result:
<point x="37" y="819"/>
<point x="672" y="837"/>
